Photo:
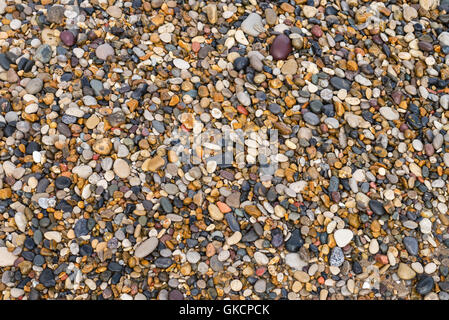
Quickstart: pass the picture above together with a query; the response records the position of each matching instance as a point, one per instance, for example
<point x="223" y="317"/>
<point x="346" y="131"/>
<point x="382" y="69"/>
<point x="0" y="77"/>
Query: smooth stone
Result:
<point x="389" y="113"/>
<point x="34" y="86"/>
<point x="181" y="64"/>
<point x="121" y="168"/>
<point x="339" y="83"/>
<point x="253" y="25"/>
<point x="343" y="237"/>
<point x="377" y="207"/>
<point x="311" y="118"/>
<point x="6" y="258"/>
<point x="294" y="261"/>
<point x="405" y="272"/>
<point x="147" y="247"/>
<point x="281" y="47"/>
<point x="424" y="285"/>
<point x="104" y="51"/>
<point x="43" y="53"/>
<point x="68" y="38"/>
<point x="411" y="245"/>
<point x="295" y="242"/>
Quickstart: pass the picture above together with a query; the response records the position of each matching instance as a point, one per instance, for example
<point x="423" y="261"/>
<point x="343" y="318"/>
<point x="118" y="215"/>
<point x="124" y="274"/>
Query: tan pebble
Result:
<point x="102" y="146"/>
<point x="215" y="212"/>
<point x="153" y="164"/>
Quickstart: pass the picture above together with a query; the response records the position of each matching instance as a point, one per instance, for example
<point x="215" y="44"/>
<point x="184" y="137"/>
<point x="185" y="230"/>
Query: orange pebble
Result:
<point x="224" y="208"/>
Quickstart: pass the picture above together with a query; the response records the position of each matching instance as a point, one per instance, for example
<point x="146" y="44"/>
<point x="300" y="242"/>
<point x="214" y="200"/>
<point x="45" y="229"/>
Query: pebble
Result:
<point x="34" y="86"/>
<point x="405" y="272"/>
<point x="121" y="168"/>
<point x="146" y="247"/>
<point x="337" y="257"/>
<point x="104" y="51"/>
<point x="253" y="25"/>
<point x="281" y="47"/>
<point x="7" y="258"/>
<point x="343" y="237"/>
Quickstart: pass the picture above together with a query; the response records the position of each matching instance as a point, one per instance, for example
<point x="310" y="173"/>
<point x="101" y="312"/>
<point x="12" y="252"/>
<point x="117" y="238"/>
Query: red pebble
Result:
<point x="242" y="110"/>
<point x="381" y="258"/>
<point x="260" y="271"/>
<point x="316" y="31"/>
<point x="196" y="46"/>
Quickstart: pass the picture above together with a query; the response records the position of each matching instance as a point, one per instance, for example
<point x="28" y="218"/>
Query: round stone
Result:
<point x="343" y="237"/>
<point x="121" y="168"/>
<point x="104" y="51"/>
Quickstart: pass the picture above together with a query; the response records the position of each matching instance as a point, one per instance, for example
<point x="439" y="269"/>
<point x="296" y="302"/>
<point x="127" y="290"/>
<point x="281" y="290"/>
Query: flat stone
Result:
<point x="253" y="25"/>
<point x="405" y="272"/>
<point x="34" y="86"/>
<point x="411" y="245"/>
<point x="121" y="168"/>
<point x="146" y="247"/>
<point x="104" y="51"/>
<point x="389" y="113"/>
<point x="6" y="258"/>
<point x="343" y="237"/>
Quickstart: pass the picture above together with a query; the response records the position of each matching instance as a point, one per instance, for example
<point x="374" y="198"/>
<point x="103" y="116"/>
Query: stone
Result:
<point x="215" y="212"/>
<point x="270" y="16"/>
<point x="68" y="38"/>
<point x="339" y="83"/>
<point x="405" y="272"/>
<point x="409" y="13"/>
<point x="253" y="25"/>
<point x="34" y="86"/>
<point x="411" y="245"/>
<point x="424" y="285"/>
<point x="114" y="11"/>
<point x="425" y="226"/>
<point x="289" y="67"/>
<point x="212" y="14"/>
<point x="104" y="51"/>
<point x="102" y="146"/>
<point x="377" y="207"/>
<point x="309" y="11"/>
<point x="181" y="64"/>
<point x="153" y="164"/>
<point x="6" y="258"/>
<point x="343" y="237"/>
<point x="443" y="38"/>
<point x="294" y="261"/>
<point x="43" y="53"/>
<point x="146" y="247"/>
<point x="311" y="118"/>
<point x="121" y="168"/>
<point x="295" y="242"/>
<point x="389" y="113"/>
<point x="336" y="257"/>
<point x="281" y="47"/>
<point x="55" y="14"/>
